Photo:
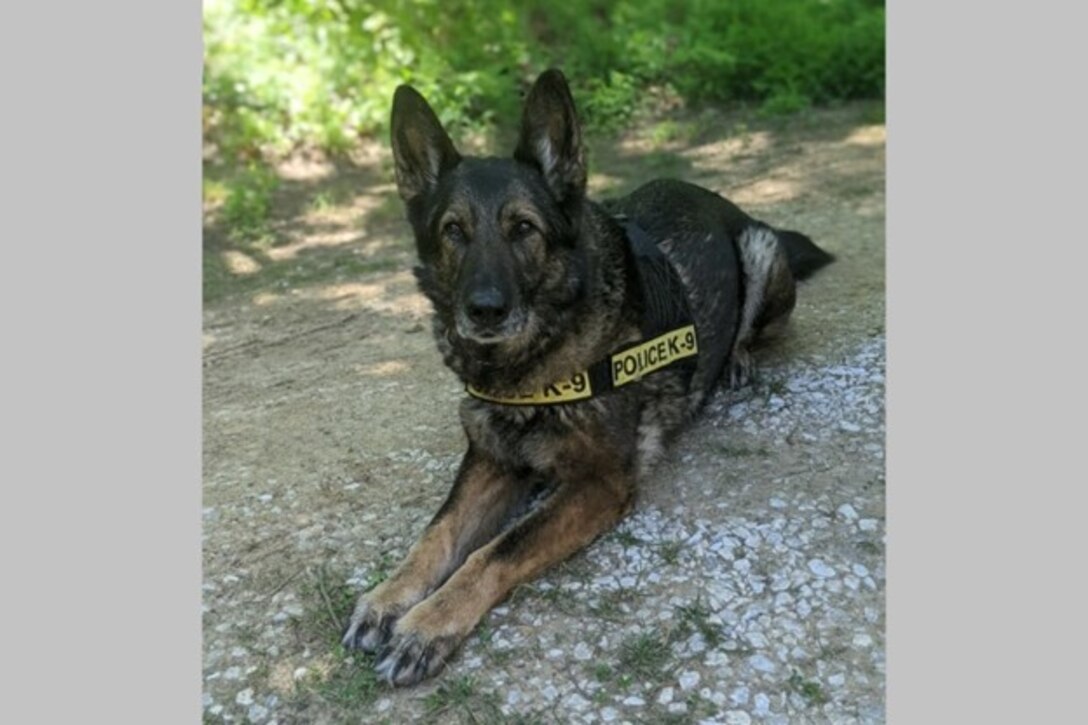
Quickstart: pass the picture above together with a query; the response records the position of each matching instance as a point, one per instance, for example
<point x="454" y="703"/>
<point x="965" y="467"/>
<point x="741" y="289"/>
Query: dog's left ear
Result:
<point x="551" y="139"/>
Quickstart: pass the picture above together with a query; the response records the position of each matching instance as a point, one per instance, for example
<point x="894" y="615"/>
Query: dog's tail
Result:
<point x="803" y="254"/>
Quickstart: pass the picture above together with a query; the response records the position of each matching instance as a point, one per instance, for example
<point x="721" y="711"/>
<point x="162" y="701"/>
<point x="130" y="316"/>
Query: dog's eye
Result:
<point x="523" y="228"/>
<point x="454" y="232"/>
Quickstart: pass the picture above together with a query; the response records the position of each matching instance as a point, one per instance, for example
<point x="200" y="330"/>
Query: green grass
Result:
<point x="351" y="685"/>
<point x="697" y="616"/>
<point x="778" y="387"/>
<point x="327" y="602"/>
<point x="808" y="689"/>
<point x="603" y="672"/>
<point x="459" y="699"/>
<point x="608" y="604"/>
<point x="484" y="632"/>
<point x="670" y="551"/>
<point x="452" y="694"/>
<point x="644" y="656"/>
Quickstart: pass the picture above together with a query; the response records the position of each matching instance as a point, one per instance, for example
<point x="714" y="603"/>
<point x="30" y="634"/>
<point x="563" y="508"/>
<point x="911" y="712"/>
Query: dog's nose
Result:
<point x="487" y="307"/>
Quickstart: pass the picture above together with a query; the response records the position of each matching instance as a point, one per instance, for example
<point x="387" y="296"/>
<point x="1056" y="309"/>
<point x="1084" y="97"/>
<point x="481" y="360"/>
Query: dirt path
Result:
<point x="747" y="587"/>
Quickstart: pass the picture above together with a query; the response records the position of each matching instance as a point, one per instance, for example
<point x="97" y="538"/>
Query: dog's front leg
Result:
<point x="481" y="498"/>
<point x="576" y="512"/>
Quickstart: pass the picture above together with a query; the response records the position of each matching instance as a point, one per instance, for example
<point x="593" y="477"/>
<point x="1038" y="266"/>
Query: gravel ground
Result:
<point x="748" y="586"/>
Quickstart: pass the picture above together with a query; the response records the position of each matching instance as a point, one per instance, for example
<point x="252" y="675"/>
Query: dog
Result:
<point x="586" y="334"/>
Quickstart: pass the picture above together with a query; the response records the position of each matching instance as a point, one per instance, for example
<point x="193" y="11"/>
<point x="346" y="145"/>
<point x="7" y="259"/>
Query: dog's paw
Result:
<point x="413" y="656"/>
<point x="371" y="623"/>
<point x="422" y="641"/>
<point x="741" y="369"/>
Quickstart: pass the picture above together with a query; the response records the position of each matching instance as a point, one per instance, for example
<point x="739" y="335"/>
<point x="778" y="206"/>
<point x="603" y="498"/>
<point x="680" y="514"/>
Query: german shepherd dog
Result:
<point x="586" y="335"/>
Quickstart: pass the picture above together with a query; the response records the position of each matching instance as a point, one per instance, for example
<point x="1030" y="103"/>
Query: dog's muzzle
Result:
<point x="488" y="316"/>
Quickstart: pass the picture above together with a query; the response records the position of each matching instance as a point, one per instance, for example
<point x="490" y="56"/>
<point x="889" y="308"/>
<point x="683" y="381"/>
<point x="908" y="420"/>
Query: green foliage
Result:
<point x="607" y="104"/>
<point x="248" y="203"/>
<point x="284" y="72"/>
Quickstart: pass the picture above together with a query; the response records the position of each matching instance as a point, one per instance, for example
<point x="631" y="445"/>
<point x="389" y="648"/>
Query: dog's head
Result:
<point x="498" y="239"/>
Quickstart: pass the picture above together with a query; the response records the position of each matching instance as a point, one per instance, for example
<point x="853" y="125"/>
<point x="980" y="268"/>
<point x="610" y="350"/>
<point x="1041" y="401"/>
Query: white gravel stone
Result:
<point x="665" y="697"/>
<point x="739" y="696"/>
<point x="867" y="524"/>
<point x="737" y="717"/>
<point x="716" y="659"/>
<point x="689" y="679"/>
<point x="576" y="702"/>
<point x="608" y="714"/>
<point x="245" y="697"/>
<point x="762" y="704"/>
<point x="634" y="701"/>
<point x="820" y="569"/>
<point x="848" y="512"/>
<point x="582" y="651"/>
<point x="762" y="663"/>
<point x="678" y="708"/>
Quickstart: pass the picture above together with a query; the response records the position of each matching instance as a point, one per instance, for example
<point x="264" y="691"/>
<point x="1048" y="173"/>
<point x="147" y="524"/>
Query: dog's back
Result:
<point x="739" y="272"/>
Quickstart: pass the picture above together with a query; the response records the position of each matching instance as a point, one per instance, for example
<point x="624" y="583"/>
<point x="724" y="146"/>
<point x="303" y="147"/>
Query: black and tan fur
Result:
<point x="531" y="282"/>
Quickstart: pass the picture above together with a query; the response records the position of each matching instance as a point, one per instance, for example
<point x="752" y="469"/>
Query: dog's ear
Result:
<point x="551" y="139"/>
<point x="422" y="150"/>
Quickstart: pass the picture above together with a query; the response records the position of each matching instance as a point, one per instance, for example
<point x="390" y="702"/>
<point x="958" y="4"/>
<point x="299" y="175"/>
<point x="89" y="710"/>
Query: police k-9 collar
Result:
<point x="629" y="365"/>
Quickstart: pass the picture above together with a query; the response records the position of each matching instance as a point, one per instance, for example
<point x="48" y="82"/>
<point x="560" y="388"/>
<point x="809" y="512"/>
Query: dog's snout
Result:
<point x="487" y="307"/>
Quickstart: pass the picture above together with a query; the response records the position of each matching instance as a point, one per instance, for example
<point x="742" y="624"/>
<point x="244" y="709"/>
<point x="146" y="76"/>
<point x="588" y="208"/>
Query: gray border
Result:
<point x="982" y="105"/>
<point x="101" y="404"/>
<point x="101" y="497"/>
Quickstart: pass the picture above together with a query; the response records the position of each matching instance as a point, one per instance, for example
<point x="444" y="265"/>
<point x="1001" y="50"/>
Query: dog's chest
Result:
<point x="535" y="436"/>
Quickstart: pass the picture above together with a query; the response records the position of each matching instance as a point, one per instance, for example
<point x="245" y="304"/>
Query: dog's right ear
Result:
<point x="422" y="150"/>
